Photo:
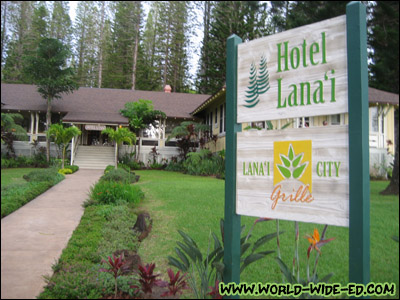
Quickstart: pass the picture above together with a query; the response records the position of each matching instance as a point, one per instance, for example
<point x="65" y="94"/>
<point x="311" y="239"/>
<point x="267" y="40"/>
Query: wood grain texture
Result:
<point x="331" y="194"/>
<point x="302" y="37"/>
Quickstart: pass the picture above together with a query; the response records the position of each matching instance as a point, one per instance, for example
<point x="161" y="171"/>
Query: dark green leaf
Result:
<point x="262" y="240"/>
<point x="183" y="257"/>
<point x="250" y="259"/>
<point x="285" y="270"/>
<point x="174" y="262"/>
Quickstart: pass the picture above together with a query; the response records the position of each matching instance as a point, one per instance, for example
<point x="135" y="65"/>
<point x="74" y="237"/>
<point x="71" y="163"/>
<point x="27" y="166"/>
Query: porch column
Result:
<point x="72" y="150"/>
<point x="31" y="128"/>
<point x="37" y="123"/>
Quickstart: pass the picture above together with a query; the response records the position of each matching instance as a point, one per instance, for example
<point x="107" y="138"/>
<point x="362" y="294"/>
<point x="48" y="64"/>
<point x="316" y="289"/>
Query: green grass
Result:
<point x="16" y="191"/>
<point x="11" y="176"/>
<point x="196" y="204"/>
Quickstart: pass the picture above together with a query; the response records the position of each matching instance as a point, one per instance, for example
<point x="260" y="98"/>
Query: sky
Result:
<point x="195" y="39"/>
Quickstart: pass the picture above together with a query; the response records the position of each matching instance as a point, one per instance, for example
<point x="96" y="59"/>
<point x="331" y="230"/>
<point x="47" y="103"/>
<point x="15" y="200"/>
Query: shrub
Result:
<point x="204" y="163"/>
<point x="108" y="169"/>
<point x="51" y="175"/>
<point x="108" y="192"/>
<point x="72" y="168"/>
<point x="120" y="175"/>
<point x="65" y="171"/>
<point x="17" y="195"/>
<point x="175" y="166"/>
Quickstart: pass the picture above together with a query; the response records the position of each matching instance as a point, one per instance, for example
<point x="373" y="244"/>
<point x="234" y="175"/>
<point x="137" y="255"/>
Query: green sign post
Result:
<point x="232" y="220"/>
<point x="359" y="227"/>
<point x="357" y="80"/>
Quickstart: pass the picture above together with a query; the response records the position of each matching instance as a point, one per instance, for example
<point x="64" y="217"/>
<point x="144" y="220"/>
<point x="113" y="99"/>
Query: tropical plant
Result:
<point x="118" y="136"/>
<point x="148" y="280"/>
<point x="10" y="130"/>
<point x="62" y="136"/>
<point x="188" y="133"/>
<point x="210" y="268"/>
<point x="176" y="283"/>
<point x="115" y="267"/>
<point x="47" y="70"/>
<point x="316" y="242"/>
<point x="142" y="116"/>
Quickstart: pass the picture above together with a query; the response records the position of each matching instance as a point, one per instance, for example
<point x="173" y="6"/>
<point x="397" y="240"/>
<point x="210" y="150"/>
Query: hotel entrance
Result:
<point x="92" y="136"/>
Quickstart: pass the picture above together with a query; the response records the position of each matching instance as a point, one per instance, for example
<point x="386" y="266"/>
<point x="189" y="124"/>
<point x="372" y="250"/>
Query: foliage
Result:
<point x="109" y="192"/>
<point x="119" y="136"/>
<point x="47" y="71"/>
<point x="73" y="168"/>
<point x="148" y="280"/>
<point x="65" y="171"/>
<point x="115" y="264"/>
<point x="62" y="136"/>
<point x="14" y="196"/>
<point x="176" y="283"/>
<point x="175" y="166"/>
<point x="102" y="230"/>
<point x="204" y="163"/>
<point x="50" y="175"/>
<point x="189" y="135"/>
<point x="10" y="131"/>
<point x="119" y="175"/>
<point x="210" y="269"/>
<point x="141" y="115"/>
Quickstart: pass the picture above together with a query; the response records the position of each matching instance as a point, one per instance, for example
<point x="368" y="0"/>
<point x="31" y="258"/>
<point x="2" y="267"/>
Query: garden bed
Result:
<point x="195" y="205"/>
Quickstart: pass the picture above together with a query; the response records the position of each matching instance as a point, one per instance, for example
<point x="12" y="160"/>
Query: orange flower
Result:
<point x="315" y="242"/>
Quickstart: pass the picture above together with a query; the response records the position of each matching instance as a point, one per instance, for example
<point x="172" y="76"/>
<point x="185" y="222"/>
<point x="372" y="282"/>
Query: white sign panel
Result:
<point x="297" y="73"/>
<point x="95" y="127"/>
<point x="294" y="174"/>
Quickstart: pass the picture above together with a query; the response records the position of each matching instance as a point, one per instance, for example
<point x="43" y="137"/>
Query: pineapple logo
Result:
<point x="258" y="83"/>
<point x="293" y="169"/>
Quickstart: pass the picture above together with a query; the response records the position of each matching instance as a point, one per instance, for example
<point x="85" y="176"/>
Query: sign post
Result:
<point x="232" y="220"/>
<point x="359" y="231"/>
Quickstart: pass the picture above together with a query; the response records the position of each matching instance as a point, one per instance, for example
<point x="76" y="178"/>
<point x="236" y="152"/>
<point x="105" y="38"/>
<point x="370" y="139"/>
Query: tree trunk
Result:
<point x="135" y="53"/>
<point x="101" y="44"/>
<point x="166" y="52"/>
<point x="48" y="124"/>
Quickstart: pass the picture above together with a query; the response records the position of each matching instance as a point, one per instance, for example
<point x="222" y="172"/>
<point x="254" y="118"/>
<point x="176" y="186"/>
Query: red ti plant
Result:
<point x="215" y="291"/>
<point x="176" y="283"/>
<point x="148" y="280"/>
<point x="115" y="264"/>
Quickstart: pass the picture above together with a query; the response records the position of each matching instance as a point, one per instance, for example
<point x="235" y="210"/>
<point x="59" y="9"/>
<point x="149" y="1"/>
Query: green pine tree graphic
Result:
<point x="258" y="83"/>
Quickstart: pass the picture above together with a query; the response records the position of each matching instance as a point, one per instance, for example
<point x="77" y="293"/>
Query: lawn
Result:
<point x="196" y="204"/>
<point x="11" y="176"/>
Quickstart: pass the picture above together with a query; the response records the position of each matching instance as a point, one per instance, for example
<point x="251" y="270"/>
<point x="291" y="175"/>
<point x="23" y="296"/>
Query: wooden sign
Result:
<point x="297" y="73"/>
<point x="294" y="174"/>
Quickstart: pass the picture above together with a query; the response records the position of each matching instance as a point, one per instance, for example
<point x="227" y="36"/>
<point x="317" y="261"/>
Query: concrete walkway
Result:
<point x="33" y="237"/>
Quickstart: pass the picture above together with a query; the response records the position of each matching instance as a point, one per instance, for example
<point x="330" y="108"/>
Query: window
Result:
<point x="303" y="122"/>
<point x="216" y="117"/>
<point x="335" y="120"/>
<point x="258" y="125"/>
